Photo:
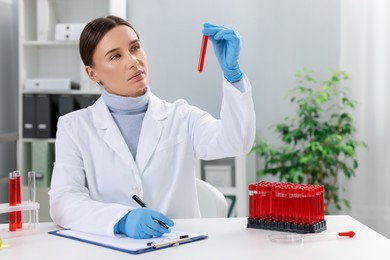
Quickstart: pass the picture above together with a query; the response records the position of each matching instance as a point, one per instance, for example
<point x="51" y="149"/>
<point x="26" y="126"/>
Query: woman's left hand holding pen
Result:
<point x="141" y="223"/>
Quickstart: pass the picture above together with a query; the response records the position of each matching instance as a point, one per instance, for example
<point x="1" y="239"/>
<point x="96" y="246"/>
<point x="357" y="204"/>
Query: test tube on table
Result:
<point x="322" y="202"/>
<point x="18" y="199"/>
<point x="317" y="202"/>
<point x="284" y="204"/>
<point x="259" y="202"/>
<point x="306" y="205"/>
<point x="33" y="214"/>
<point x="268" y="202"/>
<point x="252" y="198"/>
<point x="263" y="203"/>
<point x="274" y="202"/>
<point x="296" y="204"/>
<point x="300" y="205"/>
<point x="12" y="201"/>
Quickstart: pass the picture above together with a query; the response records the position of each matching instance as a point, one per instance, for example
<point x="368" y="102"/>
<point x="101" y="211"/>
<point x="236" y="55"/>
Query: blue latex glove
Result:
<point x="227" y="44"/>
<point x="141" y="223"/>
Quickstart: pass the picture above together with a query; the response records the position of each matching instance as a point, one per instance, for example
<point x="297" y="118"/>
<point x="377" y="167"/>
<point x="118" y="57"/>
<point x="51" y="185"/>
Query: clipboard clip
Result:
<point x="170" y="242"/>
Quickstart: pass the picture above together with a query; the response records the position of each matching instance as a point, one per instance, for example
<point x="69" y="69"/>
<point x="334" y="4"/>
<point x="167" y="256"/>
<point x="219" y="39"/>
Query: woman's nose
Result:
<point x="132" y="60"/>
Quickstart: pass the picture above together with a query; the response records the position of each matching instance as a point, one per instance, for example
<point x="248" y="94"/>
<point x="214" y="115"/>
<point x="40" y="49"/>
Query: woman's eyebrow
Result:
<point x="111" y="51"/>
<point x="116" y="49"/>
<point x="133" y="42"/>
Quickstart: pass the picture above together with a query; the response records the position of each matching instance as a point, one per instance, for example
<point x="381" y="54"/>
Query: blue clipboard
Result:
<point x="156" y="244"/>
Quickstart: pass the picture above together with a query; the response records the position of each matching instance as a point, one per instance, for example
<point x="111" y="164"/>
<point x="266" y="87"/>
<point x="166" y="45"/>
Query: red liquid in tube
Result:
<point x="202" y="55"/>
<point x="18" y="201"/>
<point x="12" y="202"/>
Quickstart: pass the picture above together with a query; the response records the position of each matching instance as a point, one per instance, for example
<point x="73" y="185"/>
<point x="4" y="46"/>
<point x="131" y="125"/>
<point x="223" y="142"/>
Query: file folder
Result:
<point x="131" y="245"/>
<point x="29" y="120"/>
<point x="42" y="161"/>
<point x="87" y="100"/>
<point x="66" y="104"/>
<point x="45" y="117"/>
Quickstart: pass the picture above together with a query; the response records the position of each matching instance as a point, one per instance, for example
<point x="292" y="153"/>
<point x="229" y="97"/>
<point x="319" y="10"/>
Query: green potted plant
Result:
<point x="317" y="144"/>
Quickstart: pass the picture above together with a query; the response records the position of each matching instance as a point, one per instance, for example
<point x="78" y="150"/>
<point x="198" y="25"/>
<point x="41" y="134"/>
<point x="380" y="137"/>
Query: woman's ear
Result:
<point x="91" y="73"/>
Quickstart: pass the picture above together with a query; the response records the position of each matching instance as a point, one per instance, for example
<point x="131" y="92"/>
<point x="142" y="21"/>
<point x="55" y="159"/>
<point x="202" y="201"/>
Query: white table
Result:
<point x="228" y="239"/>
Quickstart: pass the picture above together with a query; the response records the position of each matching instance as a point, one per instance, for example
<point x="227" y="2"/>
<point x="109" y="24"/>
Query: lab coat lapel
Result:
<point x="152" y="127"/>
<point x="110" y="132"/>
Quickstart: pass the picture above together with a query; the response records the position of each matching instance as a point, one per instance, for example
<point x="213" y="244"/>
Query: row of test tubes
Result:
<point x="15" y="199"/>
<point x="286" y="202"/>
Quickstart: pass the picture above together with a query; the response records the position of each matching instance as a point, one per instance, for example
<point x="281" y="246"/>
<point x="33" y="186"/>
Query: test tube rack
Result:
<point x="289" y="207"/>
<point x="17" y="206"/>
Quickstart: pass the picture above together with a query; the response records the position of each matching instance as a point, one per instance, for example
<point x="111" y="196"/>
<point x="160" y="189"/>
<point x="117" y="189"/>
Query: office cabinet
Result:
<point x="231" y="176"/>
<point x="52" y="79"/>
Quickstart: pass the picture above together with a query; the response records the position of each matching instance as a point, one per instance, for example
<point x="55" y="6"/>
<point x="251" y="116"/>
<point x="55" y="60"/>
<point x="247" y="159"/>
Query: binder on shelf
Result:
<point x="45" y="117"/>
<point x="42" y="160"/>
<point x="66" y="104"/>
<point x="87" y="100"/>
<point x="29" y="120"/>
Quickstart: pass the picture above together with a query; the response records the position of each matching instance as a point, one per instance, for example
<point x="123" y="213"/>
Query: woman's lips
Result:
<point x="138" y="75"/>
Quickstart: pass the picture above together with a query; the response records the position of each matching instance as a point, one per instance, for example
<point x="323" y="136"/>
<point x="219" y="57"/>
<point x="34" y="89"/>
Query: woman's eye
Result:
<point x="115" y="57"/>
<point x="135" y="48"/>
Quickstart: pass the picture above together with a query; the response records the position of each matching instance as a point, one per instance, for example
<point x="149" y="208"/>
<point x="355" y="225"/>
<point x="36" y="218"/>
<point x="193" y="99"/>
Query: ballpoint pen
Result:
<point x="142" y="204"/>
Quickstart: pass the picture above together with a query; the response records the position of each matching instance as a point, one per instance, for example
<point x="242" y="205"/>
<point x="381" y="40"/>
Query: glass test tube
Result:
<point x="12" y="201"/>
<point x="18" y="199"/>
<point x="259" y="202"/>
<point x="33" y="214"/>
<point x="252" y="195"/>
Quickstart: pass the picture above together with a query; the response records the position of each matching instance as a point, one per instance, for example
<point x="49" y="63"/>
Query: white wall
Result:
<point x="365" y="52"/>
<point x="279" y="37"/>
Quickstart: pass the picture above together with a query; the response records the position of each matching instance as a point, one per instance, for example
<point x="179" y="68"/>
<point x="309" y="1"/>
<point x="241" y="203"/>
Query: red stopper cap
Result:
<point x="347" y="234"/>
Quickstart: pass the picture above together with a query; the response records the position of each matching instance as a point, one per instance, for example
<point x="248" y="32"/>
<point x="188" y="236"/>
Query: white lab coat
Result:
<point x="95" y="175"/>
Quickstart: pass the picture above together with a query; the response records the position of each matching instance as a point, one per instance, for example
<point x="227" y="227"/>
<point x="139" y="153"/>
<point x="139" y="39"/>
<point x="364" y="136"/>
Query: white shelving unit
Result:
<point x="40" y="56"/>
<point x="241" y="173"/>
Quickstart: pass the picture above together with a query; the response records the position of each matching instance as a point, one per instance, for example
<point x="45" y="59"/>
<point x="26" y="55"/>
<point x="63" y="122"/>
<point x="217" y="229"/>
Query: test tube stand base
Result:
<point x="28" y="228"/>
<point x="286" y="226"/>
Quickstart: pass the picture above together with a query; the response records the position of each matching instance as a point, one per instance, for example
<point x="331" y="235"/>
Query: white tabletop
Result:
<point x="228" y="239"/>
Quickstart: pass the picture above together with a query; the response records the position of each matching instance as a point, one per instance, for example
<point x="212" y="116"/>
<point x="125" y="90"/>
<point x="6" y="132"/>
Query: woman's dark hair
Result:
<point x="94" y="32"/>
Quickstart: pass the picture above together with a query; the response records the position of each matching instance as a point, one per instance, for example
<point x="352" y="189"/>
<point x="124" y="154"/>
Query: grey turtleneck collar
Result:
<point x="128" y="114"/>
<point x="126" y="105"/>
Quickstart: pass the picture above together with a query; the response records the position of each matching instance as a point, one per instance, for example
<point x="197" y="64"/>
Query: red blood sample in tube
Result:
<point x="18" y="201"/>
<point x="288" y="203"/>
<point x="12" y="202"/>
<point x="295" y="204"/>
<point x="263" y="202"/>
<point x="273" y="204"/>
<point x="259" y="205"/>
<point x="307" y="206"/>
<point x="279" y="203"/>
<point x="252" y="198"/>
<point x="284" y="204"/>
<point x="322" y="189"/>
<point x="313" y="206"/>
<point x="268" y="202"/>
<point x="317" y="203"/>
<point x="202" y="55"/>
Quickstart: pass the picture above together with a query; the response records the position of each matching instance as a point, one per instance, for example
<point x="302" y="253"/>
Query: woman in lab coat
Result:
<point x="130" y="142"/>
